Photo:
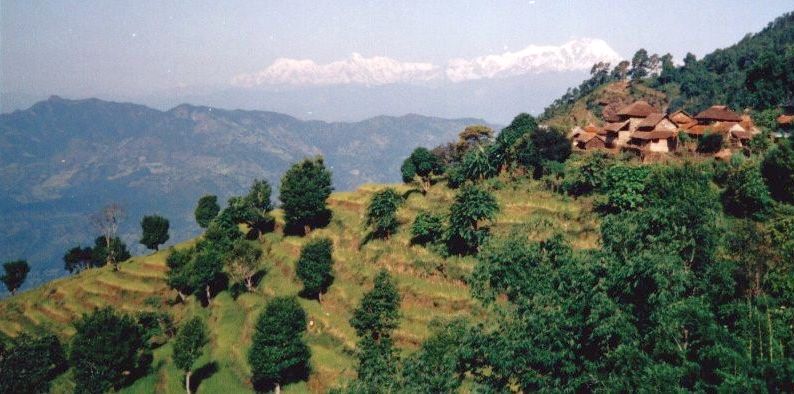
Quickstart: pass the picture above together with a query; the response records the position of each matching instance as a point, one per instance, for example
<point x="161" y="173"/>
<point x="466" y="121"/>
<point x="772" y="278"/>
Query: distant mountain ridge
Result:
<point x="61" y="160"/>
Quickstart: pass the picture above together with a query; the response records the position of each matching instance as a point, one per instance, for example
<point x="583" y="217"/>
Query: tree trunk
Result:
<point x="187" y="382"/>
<point x="207" y="289"/>
<point x="181" y="296"/>
<point x="249" y="284"/>
<point x="320" y="297"/>
<point x="277" y="389"/>
<point x="13" y="291"/>
<point x="306" y="229"/>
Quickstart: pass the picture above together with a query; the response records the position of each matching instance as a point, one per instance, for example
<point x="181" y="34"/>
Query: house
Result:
<point x="619" y="133"/>
<point x="785" y="121"/>
<point x="682" y="119"/>
<point x="588" y="141"/>
<point x="656" y="133"/>
<point x="717" y="113"/>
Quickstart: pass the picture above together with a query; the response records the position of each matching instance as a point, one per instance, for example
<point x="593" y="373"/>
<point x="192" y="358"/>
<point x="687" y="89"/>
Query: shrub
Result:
<point x="427" y="228"/>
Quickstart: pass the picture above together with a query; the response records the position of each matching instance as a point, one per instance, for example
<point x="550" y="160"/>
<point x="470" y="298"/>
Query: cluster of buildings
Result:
<point x="641" y="128"/>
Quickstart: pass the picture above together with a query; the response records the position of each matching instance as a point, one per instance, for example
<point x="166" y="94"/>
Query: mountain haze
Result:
<point x="62" y="160"/>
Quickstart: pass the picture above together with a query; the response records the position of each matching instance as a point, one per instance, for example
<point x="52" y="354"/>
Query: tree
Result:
<point x="155" y="231"/>
<point x="471" y="206"/>
<point x="541" y="146"/>
<point x="374" y="320"/>
<point x="113" y="251"/>
<point x="105" y="351"/>
<point x="252" y="209"/>
<point x="710" y="143"/>
<point x="777" y="169"/>
<point x="243" y="262"/>
<point x="206" y="269"/>
<point x="381" y="215"/>
<point x="624" y="187"/>
<point x="476" y="165"/>
<point x="437" y="366"/>
<point x="472" y="136"/>
<point x="206" y="210"/>
<point x="221" y="233"/>
<point x="189" y="346"/>
<point x="180" y="266"/>
<point x="78" y="259"/>
<point x="107" y="223"/>
<point x="427" y="228"/>
<point x="639" y="65"/>
<point x="504" y="147"/>
<point x="15" y="274"/>
<point x="29" y="364"/>
<point x="304" y="190"/>
<point x="621" y="71"/>
<point x="278" y="354"/>
<point x="314" y="267"/>
<point x="745" y="193"/>
<point x="421" y="163"/>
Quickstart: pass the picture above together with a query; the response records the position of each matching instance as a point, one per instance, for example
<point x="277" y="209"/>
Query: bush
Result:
<point x="710" y="143"/>
<point x="778" y="171"/>
<point x="745" y="193"/>
<point x="427" y="228"/>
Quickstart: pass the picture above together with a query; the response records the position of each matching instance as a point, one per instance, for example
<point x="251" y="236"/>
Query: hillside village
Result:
<point x="645" y="130"/>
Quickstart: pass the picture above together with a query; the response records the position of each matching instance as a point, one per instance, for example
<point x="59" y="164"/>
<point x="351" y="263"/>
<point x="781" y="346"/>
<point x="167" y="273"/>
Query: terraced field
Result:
<point x="432" y="288"/>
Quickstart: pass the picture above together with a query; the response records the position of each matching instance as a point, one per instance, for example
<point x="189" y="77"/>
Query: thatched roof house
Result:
<point x="717" y="113"/>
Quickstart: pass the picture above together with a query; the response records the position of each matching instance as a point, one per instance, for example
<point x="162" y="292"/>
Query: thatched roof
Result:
<point x="651" y="121"/>
<point x="718" y="113"/>
<point x="637" y="109"/>
<point x="616" y="126"/>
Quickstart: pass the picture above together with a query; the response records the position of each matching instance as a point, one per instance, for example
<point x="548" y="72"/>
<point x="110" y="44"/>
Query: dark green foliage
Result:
<point x="242" y="262"/>
<point x="315" y="266"/>
<point x="624" y="187"/>
<point x="157" y="326"/>
<point x="252" y="209"/>
<point x="587" y="174"/>
<point x="78" y="259"/>
<point x="777" y="169"/>
<point x="427" y="228"/>
<point x="106" y="351"/>
<point x="436" y="367"/>
<point x="710" y="143"/>
<point x="189" y="345"/>
<point x="421" y="163"/>
<point x="378" y="313"/>
<point x="374" y="320"/>
<point x="304" y="190"/>
<point x="155" y="231"/>
<point x="541" y="146"/>
<point x="221" y="234"/>
<point x="28" y="364"/>
<point x="14" y="274"/>
<point x="278" y="354"/>
<point x="472" y="205"/>
<point x="745" y="193"/>
<point x="179" y="264"/>
<point x="206" y="269"/>
<point x="381" y="215"/>
<point x="455" y="176"/>
<point x="206" y="210"/>
<point x="114" y="251"/>
<point x="521" y="125"/>
<point x="639" y="65"/>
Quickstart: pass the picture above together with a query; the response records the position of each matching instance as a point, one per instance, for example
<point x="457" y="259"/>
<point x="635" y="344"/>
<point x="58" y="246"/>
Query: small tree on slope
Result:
<point x="155" y="231"/>
<point x="278" y="354"/>
<point x="189" y="346"/>
<point x="314" y="267"/>
<point x="15" y="274"/>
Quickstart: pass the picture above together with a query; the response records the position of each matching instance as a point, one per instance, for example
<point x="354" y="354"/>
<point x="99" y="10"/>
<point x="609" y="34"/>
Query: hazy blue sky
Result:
<point x="85" y="48"/>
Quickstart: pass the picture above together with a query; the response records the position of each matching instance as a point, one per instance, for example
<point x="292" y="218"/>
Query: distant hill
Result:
<point x="61" y="160"/>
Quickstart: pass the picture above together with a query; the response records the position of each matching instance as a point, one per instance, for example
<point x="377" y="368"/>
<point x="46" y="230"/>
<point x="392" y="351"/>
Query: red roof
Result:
<point x="616" y="126"/>
<point x="591" y="128"/>
<point x="681" y="117"/>
<point x="637" y="109"/>
<point x="718" y="113"/>
<point x="785" y="119"/>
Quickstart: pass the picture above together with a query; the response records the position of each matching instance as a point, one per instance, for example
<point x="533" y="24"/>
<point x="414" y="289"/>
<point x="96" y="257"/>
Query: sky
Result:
<point x="131" y="48"/>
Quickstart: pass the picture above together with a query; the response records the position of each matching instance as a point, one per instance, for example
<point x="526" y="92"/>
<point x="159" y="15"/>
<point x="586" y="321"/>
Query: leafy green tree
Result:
<point x="180" y="266"/>
<point x="242" y="262"/>
<point x="205" y="271"/>
<point x="437" y="366"/>
<point x="278" y="354"/>
<point x="476" y="165"/>
<point x="639" y="65"/>
<point x="625" y="188"/>
<point x="777" y="168"/>
<point x="455" y="176"/>
<point x="189" y="346"/>
<point x="78" y="259"/>
<point x="155" y="231"/>
<point x="745" y="193"/>
<point x="315" y="267"/>
<point x="472" y="205"/>
<point x="114" y="251"/>
<point x="421" y="163"/>
<point x="304" y="190"/>
<point x="427" y="228"/>
<point x="206" y="210"/>
<point x="221" y="233"/>
<point x="585" y="175"/>
<point x="374" y="320"/>
<point x="29" y="364"/>
<point x="541" y="146"/>
<point x="106" y="351"/>
<point x="381" y="215"/>
<point x="15" y="274"/>
<point x="254" y="208"/>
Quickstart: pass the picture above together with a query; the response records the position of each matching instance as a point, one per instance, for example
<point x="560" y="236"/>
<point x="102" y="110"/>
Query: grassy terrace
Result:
<point x="432" y="288"/>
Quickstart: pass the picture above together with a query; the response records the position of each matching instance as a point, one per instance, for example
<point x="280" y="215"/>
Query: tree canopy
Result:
<point x="206" y="210"/>
<point x="381" y="215"/>
<point x="155" y="231"/>
<point x="315" y="267"/>
<point x="305" y="187"/>
<point x="14" y="274"/>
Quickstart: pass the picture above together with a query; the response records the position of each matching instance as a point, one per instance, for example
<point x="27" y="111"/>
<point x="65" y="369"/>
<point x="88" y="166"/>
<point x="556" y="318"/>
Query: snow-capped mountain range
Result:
<point x="578" y="54"/>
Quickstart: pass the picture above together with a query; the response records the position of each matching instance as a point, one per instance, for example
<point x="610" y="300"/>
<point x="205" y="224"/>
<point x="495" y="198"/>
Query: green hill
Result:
<point x="431" y="287"/>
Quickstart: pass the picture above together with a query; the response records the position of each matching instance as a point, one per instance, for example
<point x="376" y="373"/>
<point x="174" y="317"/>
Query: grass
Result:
<point x="432" y="288"/>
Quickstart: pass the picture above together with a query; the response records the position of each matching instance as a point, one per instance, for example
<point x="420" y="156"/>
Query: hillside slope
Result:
<point x="61" y="160"/>
<point x="431" y="288"/>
